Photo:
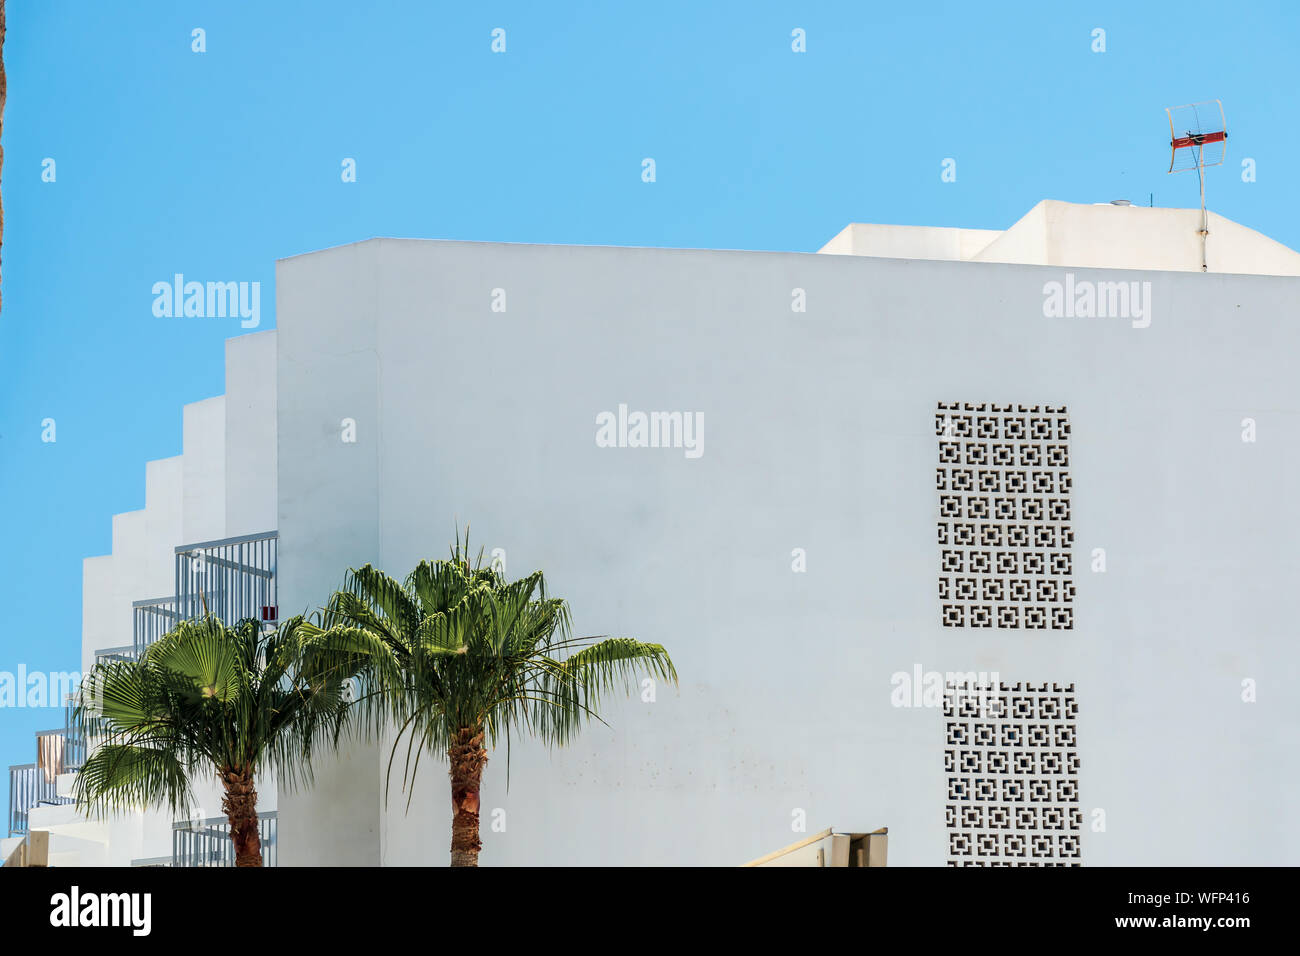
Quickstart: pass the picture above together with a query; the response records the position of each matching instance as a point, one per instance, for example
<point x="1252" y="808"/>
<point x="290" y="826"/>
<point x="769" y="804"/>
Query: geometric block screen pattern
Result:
<point x="1005" y="537"/>
<point x="1012" y="765"/>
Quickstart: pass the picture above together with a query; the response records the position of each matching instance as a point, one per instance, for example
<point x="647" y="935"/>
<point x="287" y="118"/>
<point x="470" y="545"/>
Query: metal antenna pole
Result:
<point x="1197" y="133"/>
<point x="1205" y="222"/>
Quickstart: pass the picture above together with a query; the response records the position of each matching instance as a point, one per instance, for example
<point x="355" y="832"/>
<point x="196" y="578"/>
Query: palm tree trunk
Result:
<point x="467" y="758"/>
<point x="240" y="806"/>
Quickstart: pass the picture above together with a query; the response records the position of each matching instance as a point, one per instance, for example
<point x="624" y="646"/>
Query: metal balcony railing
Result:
<point x="74" y="744"/>
<point x="207" y="842"/>
<point x="233" y="578"/>
<point x="59" y="751"/>
<point x="151" y="619"/>
<point x="30" y="786"/>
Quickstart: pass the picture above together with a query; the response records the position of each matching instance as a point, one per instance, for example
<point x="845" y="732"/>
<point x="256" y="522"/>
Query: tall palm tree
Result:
<point x="458" y="658"/>
<point x="209" y="700"/>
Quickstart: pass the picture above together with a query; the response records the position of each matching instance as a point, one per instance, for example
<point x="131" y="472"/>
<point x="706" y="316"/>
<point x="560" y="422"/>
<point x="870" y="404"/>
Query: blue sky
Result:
<point x="216" y="164"/>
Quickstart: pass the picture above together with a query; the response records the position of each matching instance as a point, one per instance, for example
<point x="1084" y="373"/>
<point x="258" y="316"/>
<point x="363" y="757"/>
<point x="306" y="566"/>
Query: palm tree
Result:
<point x="209" y="699"/>
<point x="459" y="658"/>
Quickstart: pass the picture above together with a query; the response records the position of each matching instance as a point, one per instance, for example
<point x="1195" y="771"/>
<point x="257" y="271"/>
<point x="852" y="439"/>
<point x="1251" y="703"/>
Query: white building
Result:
<point x="1101" y="436"/>
<point x="222" y="486"/>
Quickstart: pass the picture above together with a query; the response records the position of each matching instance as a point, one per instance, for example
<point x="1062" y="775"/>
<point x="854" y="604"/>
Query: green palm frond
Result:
<point x="206" y="696"/>
<point x="130" y="777"/>
<point x="614" y="660"/>
<point x="208" y="654"/>
<point x="119" y="693"/>
<point x="446" y="634"/>
<point x="350" y="607"/>
<point x="457" y="646"/>
<point x="385" y="599"/>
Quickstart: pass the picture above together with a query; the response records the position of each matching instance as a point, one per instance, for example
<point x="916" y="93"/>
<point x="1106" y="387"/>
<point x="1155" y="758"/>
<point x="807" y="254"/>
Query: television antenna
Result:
<point x="1198" y="138"/>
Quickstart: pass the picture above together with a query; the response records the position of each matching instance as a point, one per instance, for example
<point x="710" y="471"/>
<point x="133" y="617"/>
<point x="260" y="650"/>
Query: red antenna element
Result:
<point x="1198" y="138"/>
<point x="1183" y="142"/>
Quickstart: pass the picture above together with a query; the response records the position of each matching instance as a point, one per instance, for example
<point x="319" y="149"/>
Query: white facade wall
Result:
<point x="164" y="510"/>
<point x="909" y="242"/>
<point x="100" y="627"/>
<point x="131" y="563"/>
<point x="1107" y="236"/>
<point x="819" y="433"/>
<point x="205" y="470"/>
<point x="1084" y="235"/>
<point x="250" y="443"/>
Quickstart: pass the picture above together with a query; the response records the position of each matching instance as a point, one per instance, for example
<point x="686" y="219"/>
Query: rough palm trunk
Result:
<point x="467" y="758"/>
<point x="240" y="806"/>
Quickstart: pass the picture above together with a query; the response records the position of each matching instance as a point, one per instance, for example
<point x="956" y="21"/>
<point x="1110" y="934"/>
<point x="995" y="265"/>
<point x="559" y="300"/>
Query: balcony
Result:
<point x="61" y="750"/>
<point x="233" y="578"/>
<point x="30" y="786"/>
<point x="207" y="842"/>
<point x="150" y="620"/>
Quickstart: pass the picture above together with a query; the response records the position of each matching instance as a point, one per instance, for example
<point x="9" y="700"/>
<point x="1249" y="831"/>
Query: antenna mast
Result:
<point x="1193" y="128"/>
